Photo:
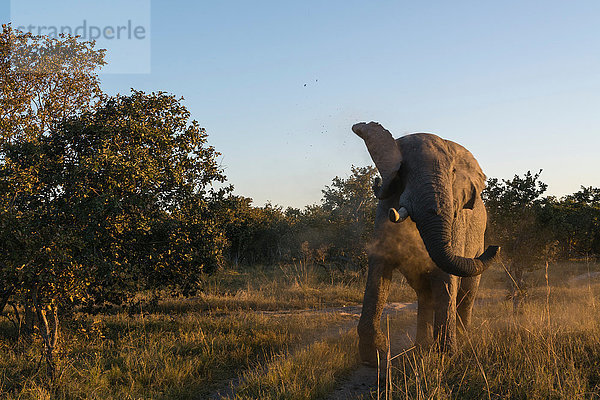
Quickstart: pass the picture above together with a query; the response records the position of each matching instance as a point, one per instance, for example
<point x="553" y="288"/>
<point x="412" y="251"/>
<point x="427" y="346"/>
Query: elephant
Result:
<point x="430" y="223"/>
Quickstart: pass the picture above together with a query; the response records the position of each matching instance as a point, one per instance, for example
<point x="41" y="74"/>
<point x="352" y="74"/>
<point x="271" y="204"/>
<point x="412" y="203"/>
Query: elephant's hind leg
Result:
<point x="371" y="339"/>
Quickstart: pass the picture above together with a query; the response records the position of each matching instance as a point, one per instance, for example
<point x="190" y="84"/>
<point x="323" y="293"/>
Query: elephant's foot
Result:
<point x="462" y="328"/>
<point x="424" y="342"/>
<point x="446" y="345"/>
<point x="370" y="346"/>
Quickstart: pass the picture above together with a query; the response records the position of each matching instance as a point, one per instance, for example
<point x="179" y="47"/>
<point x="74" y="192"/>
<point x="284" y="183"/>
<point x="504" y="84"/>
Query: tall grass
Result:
<point x="156" y="356"/>
<point x="309" y="373"/>
<point x="550" y="351"/>
<point x="187" y="348"/>
<point x="295" y="286"/>
<point x="184" y="349"/>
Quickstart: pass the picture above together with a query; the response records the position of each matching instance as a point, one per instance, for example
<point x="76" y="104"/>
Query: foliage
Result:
<point x="575" y="222"/>
<point x="44" y="81"/>
<point x="351" y="205"/>
<point x="109" y="203"/>
<point x="513" y="222"/>
<point x="333" y="232"/>
<point x="255" y="234"/>
<point x="513" y="207"/>
<point x="124" y="204"/>
<point x="533" y="230"/>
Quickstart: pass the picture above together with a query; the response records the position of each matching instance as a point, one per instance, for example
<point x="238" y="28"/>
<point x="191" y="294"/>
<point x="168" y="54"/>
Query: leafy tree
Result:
<point x="122" y="202"/>
<point x="44" y="82"/>
<point x="351" y="206"/>
<point x="333" y="232"/>
<point x="313" y="235"/>
<point x="575" y="222"/>
<point x="514" y="206"/>
<point x="255" y="234"/>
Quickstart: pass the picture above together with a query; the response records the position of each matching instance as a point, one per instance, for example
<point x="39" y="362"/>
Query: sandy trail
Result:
<point x="361" y="382"/>
<point x="390" y="308"/>
<point x="588" y="277"/>
<point x="363" y="379"/>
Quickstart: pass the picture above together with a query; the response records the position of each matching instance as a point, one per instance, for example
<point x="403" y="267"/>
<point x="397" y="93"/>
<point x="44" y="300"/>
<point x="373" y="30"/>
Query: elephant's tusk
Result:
<point x="398" y="216"/>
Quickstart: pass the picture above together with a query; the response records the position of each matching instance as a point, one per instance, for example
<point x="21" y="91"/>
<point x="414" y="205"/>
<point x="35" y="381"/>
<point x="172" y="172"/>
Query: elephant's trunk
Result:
<point x="435" y="229"/>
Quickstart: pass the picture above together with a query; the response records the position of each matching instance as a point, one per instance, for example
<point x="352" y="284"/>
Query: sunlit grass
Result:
<point x="290" y="287"/>
<point x="308" y="373"/>
<point x="158" y="356"/>
<point x="550" y="351"/>
<point x="245" y="327"/>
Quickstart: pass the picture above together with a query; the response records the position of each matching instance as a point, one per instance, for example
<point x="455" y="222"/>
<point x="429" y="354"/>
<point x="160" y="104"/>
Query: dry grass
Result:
<point x="191" y="348"/>
<point x="184" y="348"/>
<point x="550" y="351"/>
<point x="286" y="287"/>
<point x="158" y="356"/>
<point x="309" y="373"/>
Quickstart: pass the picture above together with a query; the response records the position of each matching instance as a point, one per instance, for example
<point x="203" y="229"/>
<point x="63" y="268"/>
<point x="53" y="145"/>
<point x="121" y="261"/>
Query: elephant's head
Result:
<point x="432" y="180"/>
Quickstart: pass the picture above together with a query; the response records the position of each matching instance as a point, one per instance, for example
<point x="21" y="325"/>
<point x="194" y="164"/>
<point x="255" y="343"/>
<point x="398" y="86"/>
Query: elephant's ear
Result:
<point x="384" y="151"/>
<point x="469" y="179"/>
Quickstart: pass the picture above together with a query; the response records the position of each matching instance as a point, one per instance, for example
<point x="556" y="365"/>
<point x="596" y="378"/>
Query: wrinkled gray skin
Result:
<point x="439" y="247"/>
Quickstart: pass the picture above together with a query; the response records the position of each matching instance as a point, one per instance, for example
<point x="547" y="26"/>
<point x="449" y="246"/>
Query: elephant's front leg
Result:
<point x="444" y="288"/>
<point x="466" y="298"/>
<point x="371" y="339"/>
<point x="425" y="315"/>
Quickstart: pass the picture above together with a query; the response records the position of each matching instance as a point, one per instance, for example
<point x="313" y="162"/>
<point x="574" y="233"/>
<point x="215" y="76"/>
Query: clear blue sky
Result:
<point x="278" y="84"/>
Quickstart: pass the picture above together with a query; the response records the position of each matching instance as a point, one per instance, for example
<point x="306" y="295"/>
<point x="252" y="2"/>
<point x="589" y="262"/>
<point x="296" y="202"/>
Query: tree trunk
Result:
<point x="48" y="330"/>
<point x="4" y="296"/>
<point x="30" y="320"/>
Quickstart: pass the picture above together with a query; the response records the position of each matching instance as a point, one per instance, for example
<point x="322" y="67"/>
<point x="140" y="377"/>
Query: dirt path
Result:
<point x="590" y="277"/>
<point x="390" y="308"/>
<point x="363" y="379"/>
